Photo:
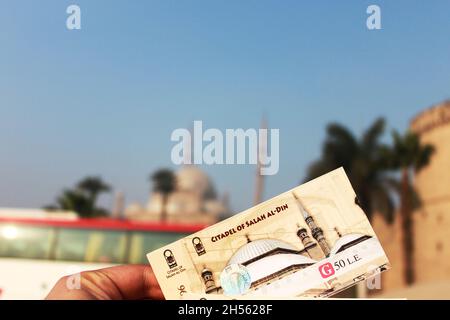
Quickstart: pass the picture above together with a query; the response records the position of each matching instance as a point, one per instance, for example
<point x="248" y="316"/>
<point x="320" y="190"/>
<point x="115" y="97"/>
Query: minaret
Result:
<point x="261" y="150"/>
<point x="337" y="231"/>
<point x="316" y="231"/>
<point x="302" y="233"/>
<point x="187" y="154"/>
<point x="118" y="206"/>
<point x="208" y="280"/>
<point x="226" y="204"/>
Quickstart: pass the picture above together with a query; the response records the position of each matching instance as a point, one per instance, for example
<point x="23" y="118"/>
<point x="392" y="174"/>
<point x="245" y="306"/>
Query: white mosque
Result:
<point x="193" y="201"/>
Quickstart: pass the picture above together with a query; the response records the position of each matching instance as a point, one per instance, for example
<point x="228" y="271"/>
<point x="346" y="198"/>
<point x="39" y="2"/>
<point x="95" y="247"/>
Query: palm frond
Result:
<point x="424" y="157"/>
<point x="163" y="181"/>
<point x="383" y="203"/>
<point x="372" y="135"/>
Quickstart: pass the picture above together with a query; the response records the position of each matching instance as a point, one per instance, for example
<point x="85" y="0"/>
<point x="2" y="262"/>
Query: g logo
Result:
<point x="326" y="270"/>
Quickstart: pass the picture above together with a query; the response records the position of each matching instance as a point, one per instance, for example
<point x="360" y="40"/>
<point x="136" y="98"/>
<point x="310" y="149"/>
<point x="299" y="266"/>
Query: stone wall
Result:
<point x="432" y="220"/>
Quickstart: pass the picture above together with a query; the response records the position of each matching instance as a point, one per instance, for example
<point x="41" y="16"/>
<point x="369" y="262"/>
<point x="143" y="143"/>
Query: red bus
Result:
<point x="36" y="252"/>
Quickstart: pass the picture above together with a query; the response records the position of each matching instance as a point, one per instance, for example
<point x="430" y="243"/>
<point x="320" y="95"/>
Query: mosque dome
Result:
<point x="273" y="264"/>
<point x="346" y="241"/>
<point x="256" y="248"/>
<point x="134" y="208"/>
<point x="192" y="179"/>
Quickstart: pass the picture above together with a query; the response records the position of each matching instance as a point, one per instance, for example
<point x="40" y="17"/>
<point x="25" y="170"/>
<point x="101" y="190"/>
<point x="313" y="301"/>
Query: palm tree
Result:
<point x="164" y="183"/>
<point x="76" y="201"/>
<point x="361" y="159"/>
<point x="82" y="199"/>
<point x="408" y="155"/>
<point x="93" y="186"/>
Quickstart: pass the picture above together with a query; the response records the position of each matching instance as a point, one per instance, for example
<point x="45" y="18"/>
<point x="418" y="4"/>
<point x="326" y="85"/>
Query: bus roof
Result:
<point x="104" y="223"/>
<point x="36" y="213"/>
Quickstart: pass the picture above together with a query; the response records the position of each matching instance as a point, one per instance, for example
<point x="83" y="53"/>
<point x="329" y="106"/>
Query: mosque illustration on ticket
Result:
<point x="312" y="241"/>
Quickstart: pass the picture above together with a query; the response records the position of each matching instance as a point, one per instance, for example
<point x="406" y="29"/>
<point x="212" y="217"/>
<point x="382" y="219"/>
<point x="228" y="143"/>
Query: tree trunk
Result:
<point x="92" y="199"/>
<point x="163" y="207"/>
<point x="407" y="228"/>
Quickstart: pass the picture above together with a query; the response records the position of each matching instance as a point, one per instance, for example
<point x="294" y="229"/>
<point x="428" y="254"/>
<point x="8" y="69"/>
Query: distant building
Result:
<point x="193" y="201"/>
<point x="431" y="221"/>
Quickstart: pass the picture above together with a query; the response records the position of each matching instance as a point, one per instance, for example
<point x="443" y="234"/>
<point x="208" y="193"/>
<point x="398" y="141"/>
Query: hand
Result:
<point x="116" y="283"/>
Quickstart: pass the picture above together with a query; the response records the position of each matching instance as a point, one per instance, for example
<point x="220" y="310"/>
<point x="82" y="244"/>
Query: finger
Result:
<point x="129" y="282"/>
<point x="121" y="282"/>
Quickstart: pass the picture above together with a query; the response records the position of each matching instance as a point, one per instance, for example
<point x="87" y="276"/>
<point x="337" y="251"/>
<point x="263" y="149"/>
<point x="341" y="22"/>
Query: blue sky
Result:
<point x="104" y="100"/>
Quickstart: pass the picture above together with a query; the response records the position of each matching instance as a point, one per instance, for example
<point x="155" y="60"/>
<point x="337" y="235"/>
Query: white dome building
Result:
<point x="267" y="260"/>
<point x="193" y="201"/>
<point x="192" y="179"/>
<point x="348" y="240"/>
<point x="258" y="248"/>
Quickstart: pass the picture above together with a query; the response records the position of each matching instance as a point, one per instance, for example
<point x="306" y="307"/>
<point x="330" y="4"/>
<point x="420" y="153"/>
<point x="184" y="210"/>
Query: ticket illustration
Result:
<point x="311" y="241"/>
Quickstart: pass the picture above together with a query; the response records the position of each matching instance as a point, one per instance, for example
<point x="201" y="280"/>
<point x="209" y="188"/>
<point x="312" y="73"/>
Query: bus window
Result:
<point x="144" y="242"/>
<point x="91" y="245"/>
<point x="17" y="241"/>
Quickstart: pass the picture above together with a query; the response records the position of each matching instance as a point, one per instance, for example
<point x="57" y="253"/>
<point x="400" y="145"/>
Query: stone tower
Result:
<point x="432" y="220"/>
<point x="431" y="256"/>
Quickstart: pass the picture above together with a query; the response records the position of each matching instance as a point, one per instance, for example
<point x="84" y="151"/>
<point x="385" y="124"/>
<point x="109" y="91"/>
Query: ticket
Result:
<point x="309" y="242"/>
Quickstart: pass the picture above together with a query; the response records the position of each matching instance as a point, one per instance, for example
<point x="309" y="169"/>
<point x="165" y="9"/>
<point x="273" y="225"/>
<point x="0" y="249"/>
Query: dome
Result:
<point x="257" y="248"/>
<point x="134" y="208"/>
<point x="192" y="179"/>
<point x="346" y="239"/>
<point x="269" y="265"/>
